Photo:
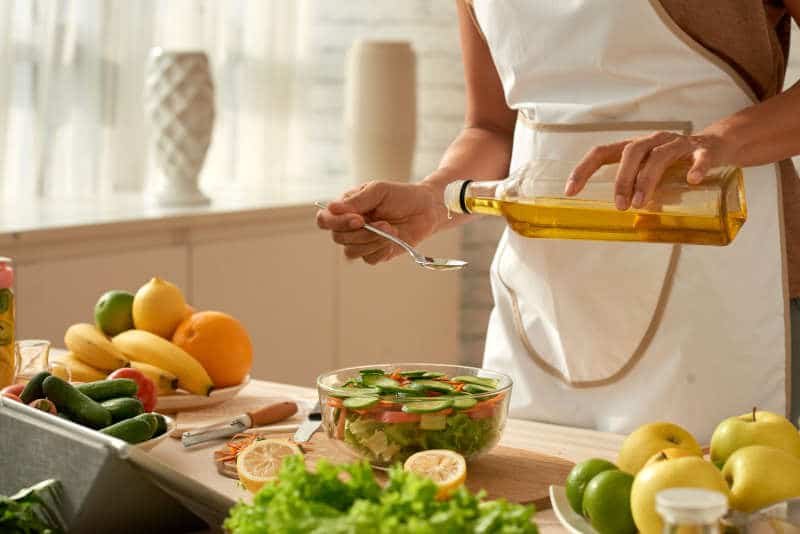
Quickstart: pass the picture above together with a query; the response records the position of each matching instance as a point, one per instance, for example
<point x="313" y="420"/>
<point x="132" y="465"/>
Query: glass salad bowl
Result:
<point x="386" y="413"/>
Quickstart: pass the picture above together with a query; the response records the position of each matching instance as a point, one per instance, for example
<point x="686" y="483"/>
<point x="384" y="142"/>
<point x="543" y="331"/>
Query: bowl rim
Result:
<point x="507" y="382"/>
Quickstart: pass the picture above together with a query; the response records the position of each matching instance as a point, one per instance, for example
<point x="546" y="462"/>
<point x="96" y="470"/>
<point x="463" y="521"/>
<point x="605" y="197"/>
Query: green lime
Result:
<point x="113" y="312"/>
<point x="607" y="503"/>
<point x="580" y="476"/>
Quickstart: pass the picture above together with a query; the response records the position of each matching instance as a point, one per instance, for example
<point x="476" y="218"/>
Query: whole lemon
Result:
<point x="158" y="307"/>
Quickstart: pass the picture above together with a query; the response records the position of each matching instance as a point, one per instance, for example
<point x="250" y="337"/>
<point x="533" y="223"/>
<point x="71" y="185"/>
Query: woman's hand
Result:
<point x="643" y="160"/>
<point x="411" y="212"/>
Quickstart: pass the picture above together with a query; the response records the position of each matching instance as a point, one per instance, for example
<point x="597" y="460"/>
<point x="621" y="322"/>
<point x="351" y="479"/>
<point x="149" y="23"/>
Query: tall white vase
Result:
<point x="179" y="97"/>
<point x="381" y="110"/>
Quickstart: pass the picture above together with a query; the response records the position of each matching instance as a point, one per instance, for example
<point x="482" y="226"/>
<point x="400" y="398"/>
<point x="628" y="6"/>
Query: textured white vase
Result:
<point x="179" y="97"/>
<point x="381" y="110"/>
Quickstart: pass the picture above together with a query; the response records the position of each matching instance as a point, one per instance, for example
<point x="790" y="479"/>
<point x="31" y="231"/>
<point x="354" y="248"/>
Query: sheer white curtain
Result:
<point x="72" y="121"/>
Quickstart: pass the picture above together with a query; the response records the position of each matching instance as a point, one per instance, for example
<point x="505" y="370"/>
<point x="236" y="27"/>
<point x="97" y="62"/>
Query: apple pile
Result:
<point x="754" y="461"/>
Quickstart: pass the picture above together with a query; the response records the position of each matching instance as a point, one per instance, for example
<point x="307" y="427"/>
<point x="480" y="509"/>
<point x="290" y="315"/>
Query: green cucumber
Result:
<point x="432" y="374"/>
<point x="432" y="385"/>
<point x="78" y="406"/>
<point x="464" y="403"/>
<point x="33" y="389"/>
<point x="162" y="425"/>
<point x="428" y="406"/>
<point x="151" y="420"/>
<point x="432" y="421"/>
<point x="133" y="430"/>
<point x="413" y="374"/>
<point x="109" y="389"/>
<point x="477" y="388"/>
<point x="477" y="380"/>
<point x="365" y="372"/>
<point x="64" y="416"/>
<point x="354" y="392"/>
<point x="359" y="403"/>
<point x="123" y="408"/>
<point x="380" y="381"/>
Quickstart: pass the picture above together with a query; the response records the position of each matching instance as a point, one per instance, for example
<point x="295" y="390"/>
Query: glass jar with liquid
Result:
<point x="691" y="510"/>
<point x="533" y="202"/>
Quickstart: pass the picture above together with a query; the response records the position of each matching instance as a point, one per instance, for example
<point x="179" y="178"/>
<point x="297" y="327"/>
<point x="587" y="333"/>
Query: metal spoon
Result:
<point x="434" y="264"/>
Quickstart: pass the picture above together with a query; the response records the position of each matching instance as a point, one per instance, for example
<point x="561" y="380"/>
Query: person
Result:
<point x="611" y="335"/>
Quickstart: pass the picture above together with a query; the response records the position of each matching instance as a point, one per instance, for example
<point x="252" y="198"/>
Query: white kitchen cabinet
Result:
<point x="307" y="309"/>
<point x="55" y="293"/>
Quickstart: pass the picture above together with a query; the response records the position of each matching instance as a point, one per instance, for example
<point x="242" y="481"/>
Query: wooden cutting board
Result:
<point x="514" y="474"/>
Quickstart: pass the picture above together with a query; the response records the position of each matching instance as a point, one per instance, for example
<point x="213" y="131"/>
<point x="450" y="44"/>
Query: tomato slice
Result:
<point x="398" y="417"/>
<point x="481" y="411"/>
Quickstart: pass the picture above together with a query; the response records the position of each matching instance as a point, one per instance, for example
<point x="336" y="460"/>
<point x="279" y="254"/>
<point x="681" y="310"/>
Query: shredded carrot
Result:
<point x="340" y="424"/>
<point x="333" y="401"/>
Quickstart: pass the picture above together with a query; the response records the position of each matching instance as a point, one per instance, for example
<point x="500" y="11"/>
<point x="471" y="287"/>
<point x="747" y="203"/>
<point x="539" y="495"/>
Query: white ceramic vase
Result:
<point x="179" y="97"/>
<point x="381" y="110"/>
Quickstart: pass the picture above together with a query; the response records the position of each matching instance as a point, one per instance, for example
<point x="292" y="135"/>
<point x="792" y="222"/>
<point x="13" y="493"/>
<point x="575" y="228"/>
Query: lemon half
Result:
<point x="447" y="469"/>
<point x="260" y="462"/>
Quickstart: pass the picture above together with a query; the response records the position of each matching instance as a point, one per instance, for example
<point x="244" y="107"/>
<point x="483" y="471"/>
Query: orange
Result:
<point x="220" y="343"/>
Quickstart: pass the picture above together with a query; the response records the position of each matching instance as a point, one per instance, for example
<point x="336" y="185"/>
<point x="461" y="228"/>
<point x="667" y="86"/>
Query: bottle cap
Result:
<point x="6" y="273"/>
<point x="691" y="506"/>
<point x="454" y="196"/>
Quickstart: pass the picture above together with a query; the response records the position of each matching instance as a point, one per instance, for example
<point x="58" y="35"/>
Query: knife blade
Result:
<point x="263" y="416"/>
<point x="309" y="426"/>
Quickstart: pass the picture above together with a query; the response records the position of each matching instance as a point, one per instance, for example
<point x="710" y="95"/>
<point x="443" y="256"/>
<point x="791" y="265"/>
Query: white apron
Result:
<point x="612" y="335"/>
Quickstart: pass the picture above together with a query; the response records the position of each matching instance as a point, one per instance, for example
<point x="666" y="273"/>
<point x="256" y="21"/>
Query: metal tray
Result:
<point x="109" y="486"/>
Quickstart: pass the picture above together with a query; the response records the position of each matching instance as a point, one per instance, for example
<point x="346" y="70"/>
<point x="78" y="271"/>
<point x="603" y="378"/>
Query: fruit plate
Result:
<point x="185" y="401"/>
<point x="574" y="523"/>
<point x="150" y="443"/>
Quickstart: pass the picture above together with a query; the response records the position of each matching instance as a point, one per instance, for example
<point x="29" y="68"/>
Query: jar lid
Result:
<point x="691" y="506"/>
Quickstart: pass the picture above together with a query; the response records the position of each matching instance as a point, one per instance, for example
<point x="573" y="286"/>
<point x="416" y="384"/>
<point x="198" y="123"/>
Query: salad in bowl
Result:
<point x="386" y="413"/>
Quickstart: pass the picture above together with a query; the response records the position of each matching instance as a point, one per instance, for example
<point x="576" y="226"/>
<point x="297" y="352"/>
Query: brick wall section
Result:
<point x="431" y="27"/>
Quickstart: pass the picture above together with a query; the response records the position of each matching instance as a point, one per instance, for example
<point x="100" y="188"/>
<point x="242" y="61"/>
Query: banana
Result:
<point x="142" y="346"/>
<point x="93" y="348"/>
<point x="165" y="382"/>
<point x="79" y="371"/>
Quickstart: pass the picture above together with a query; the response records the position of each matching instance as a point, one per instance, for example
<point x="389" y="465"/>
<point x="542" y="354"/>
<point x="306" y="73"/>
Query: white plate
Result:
<point x="186" y="401"/>
<point x="150" y="443"/>
<point x="574" y="523"/>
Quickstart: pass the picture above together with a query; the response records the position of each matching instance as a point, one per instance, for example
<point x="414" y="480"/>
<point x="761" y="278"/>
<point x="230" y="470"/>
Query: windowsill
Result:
<point x="48" y="219"/>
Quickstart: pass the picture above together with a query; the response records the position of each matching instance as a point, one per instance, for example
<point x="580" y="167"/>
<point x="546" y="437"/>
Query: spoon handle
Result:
<point x="408" y="248"/>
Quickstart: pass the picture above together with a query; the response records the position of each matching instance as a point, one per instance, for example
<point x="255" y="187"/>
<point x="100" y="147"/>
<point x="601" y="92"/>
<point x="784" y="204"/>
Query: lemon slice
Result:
<point x="447" y="469"/>
<point x="260" y="462"/>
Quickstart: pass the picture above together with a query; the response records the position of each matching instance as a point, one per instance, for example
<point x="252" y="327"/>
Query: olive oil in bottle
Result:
<point x="533" y="203"/>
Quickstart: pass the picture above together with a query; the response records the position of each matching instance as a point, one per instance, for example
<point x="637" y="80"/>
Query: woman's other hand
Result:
<point x="643" y="160"/>
<point x="411" y="212"/>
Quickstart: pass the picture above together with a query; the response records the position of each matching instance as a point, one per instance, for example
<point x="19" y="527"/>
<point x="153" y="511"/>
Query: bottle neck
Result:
<point x="460" y="194"/>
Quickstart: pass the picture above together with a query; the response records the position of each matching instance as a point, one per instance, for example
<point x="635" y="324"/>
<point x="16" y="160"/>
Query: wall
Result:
<point x="432" y="28"/>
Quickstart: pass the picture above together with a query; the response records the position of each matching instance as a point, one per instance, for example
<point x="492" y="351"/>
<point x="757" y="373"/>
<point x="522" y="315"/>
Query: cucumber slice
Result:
<point x="432" y="385"/>
<point x="432" y="374"/>
<point x="477" y="380"/>
<point x="464" y="403"/>
<point x="413" y="374"/>
<point x="343" y="393"/>
<point x="359" y="403"/>
<point x="365" y="372"/>
<point x="428" y="406"/>
<point x="432" y="421"/>
<point x="477" y="388"/>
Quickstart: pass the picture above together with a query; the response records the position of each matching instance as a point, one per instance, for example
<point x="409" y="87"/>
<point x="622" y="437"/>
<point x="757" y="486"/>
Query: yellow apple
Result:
<point x="687" y="472"/>
<point x="651" y="438"/>
<point x="759" y="475"/>
<point x="754" y="428"/>
<point x="671" y="454"/>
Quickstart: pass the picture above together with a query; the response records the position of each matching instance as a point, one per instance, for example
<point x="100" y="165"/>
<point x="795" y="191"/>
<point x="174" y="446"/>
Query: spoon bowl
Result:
<point x="433" y="264"/>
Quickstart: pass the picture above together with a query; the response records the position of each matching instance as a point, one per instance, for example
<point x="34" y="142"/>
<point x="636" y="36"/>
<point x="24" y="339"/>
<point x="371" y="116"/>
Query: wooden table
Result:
<point x="570" y="443"/>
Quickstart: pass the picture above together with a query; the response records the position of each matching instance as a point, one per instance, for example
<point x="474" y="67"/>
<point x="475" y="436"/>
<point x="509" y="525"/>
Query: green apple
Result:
<point x="607" y="503"/>
<point x="754" y="428"/>
<point x="687" y="472"/>
<point x="759" y="475"/>
<point x="650" y="439"/>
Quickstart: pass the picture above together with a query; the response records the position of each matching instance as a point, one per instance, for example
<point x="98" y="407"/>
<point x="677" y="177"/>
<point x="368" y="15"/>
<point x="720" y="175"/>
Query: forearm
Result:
<point x="763" y="133"/>
<point x="478" y="153"/>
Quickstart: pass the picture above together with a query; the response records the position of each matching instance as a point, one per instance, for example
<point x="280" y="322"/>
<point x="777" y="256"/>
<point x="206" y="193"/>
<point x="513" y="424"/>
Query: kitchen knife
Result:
<point x="263" y="416"/>
<point x="309" y="426"/>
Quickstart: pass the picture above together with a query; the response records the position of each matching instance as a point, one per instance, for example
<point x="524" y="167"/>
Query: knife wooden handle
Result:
<point x="273" y="413"/>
